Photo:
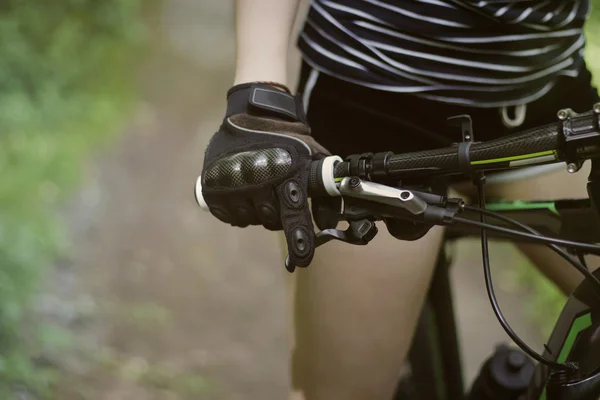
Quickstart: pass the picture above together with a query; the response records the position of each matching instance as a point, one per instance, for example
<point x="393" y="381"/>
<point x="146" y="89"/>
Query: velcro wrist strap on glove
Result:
<point x="262" y="100"/>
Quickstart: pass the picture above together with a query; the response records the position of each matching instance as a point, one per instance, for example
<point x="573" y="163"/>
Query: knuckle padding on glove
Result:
<point x="248" y="168"/>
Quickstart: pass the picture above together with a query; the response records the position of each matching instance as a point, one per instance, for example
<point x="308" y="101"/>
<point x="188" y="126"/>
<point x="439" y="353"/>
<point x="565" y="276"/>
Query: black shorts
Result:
<point x="350" y="119"/>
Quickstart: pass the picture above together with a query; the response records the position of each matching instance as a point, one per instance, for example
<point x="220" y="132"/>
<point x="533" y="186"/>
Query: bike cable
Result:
<point x="581" y="266"/>
<point x="492" y="296"/>
<point x="593" y="248"/>
<point x="582" y="260"/>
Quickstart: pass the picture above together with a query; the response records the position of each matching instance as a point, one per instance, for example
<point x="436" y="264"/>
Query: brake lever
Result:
<point x="433" y="208"/>
<point x="360" y="233"/>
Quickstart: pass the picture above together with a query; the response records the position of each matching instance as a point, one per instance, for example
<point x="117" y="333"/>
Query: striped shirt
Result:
<point x="490" y="53"/>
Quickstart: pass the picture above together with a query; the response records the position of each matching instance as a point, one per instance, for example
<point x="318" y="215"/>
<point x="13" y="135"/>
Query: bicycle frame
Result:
<point x="435" y="351"/>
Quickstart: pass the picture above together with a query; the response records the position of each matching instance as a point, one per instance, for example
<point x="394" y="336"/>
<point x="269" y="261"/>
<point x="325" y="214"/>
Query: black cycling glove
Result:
<point x="256" y="166"/>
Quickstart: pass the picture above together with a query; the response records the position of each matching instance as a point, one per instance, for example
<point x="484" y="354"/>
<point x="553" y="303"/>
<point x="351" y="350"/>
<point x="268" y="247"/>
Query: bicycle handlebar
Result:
<point x="533" y="146"/>
<point x="574" y="139"/>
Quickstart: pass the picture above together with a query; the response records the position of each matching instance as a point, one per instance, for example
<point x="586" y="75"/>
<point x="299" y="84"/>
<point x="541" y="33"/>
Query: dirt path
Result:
<point x="179" y="305"/>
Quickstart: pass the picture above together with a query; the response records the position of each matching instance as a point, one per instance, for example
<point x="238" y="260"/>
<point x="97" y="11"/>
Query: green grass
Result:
<point x="64" y="90"/>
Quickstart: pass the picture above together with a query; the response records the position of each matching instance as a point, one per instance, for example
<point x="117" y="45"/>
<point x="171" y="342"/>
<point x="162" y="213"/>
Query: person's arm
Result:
<point x="263" y="29"/>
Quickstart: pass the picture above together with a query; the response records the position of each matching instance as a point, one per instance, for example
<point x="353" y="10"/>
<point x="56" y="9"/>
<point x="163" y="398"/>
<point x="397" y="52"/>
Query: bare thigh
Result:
<point x="355" y="310"/>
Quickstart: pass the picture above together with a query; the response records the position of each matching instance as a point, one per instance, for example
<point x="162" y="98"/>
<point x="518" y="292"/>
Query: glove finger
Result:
<point x="267" y="210"/>
<point x="218" y="209"/>
<point x="296" y="222"/>
<point x="239" y="212"/>
<point x="243" y="213"/>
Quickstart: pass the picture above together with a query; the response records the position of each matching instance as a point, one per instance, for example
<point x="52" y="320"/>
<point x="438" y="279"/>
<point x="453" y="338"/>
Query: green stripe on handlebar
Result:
<point x="515" y="158"/>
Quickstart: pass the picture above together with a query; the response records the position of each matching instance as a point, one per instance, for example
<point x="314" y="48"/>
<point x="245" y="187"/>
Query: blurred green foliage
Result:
<point x="65" y="86"/>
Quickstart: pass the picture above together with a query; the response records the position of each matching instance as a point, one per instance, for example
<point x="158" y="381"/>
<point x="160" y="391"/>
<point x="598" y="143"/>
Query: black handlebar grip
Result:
<point x="445" y="160"/>
<point x="321" y="177"/>
<point x="529" y="142"/>
<point x="405" y="165"/>
<point x="342" y="170"/>
<point x="315" y="179"/>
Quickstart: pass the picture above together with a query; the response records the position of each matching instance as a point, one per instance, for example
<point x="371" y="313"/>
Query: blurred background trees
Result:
<point x="65" y="86"/>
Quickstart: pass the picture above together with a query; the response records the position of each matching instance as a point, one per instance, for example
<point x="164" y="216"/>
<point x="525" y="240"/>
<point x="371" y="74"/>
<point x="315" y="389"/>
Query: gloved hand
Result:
<point x="256" y="167"/>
